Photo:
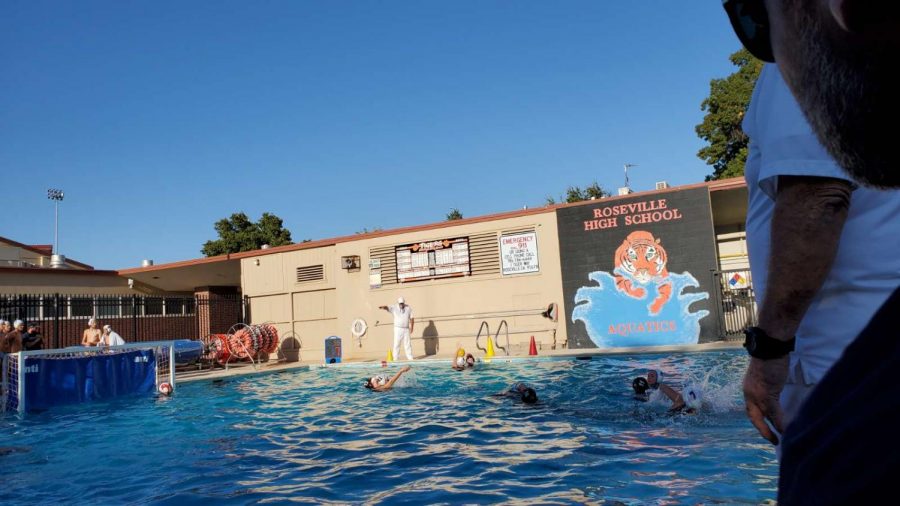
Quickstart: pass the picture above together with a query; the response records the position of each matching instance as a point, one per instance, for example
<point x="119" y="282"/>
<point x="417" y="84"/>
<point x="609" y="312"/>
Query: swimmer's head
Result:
<point x="470" y="360"/>
<point x="460" y="352"/>
<point x="653" y="377"/>
<point x="370" y="383"/>
<point x="460" y="361"/>
<point x="640" y="385"/>
<point x="529" y="396"/>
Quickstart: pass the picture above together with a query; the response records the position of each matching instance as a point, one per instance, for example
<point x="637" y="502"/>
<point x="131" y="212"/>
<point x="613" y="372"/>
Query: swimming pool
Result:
<point x="319" y="437"/>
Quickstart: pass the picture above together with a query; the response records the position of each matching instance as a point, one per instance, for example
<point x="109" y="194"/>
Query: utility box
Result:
<point x="333" y="350"/>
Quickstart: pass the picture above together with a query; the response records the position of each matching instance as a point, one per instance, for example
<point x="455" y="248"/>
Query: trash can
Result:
<point x="333" y="350"/>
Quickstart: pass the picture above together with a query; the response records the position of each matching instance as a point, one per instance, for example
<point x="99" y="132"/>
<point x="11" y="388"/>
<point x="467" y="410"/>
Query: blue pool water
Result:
<point x="319" y="437"/>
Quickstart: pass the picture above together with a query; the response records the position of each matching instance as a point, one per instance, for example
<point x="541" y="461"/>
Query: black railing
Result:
<point x="62" y="318"/>
<point x="738" y="302"/>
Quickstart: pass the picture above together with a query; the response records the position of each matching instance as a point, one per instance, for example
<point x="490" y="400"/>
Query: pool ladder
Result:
<point x="485" y="327"/>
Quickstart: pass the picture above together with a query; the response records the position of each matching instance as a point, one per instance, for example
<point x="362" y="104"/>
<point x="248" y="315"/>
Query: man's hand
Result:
<point x="762" y="386"/>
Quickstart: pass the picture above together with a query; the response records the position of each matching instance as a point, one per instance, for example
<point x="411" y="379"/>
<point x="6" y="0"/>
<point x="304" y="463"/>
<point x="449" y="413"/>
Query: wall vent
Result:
<point x="310" y="273"/>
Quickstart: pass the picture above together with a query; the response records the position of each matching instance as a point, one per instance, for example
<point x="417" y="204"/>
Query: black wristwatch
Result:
<point x="765" y="347"/>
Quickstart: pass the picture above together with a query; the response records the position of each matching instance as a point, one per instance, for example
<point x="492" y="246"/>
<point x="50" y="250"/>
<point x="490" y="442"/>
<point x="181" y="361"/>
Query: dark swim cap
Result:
<point x="529" y="396"/>
<point x="640" y="385"/>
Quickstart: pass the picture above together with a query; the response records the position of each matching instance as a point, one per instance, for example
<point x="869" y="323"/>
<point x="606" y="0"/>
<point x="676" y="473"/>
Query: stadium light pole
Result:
<point x="56" y="196"/>
<point x="628" y="166"/>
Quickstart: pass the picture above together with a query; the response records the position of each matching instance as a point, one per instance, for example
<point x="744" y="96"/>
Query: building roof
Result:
<point x="228" y="266"/>
<point x="43" y="250"/>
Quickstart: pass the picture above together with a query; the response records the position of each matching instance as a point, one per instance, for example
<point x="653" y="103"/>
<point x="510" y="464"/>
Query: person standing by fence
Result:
<point x="110" y="337"/>
<point x="91" y="335"/>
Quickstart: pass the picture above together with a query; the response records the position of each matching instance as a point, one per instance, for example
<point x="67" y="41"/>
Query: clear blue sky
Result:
<point x="159" y="118"/>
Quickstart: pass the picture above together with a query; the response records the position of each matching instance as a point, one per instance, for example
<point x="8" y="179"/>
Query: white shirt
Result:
<point x="866" y="269"/>
<point x="114" y="339"/>
<point x="401" y="316"/>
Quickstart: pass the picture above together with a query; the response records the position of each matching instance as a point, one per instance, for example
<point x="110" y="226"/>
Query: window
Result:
<point x="81" y="307"/>
<point x="109" y="307"/>
<point x="153" y="306"/>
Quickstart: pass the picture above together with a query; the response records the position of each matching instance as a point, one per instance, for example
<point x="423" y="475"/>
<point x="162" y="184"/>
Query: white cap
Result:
<point x="107" y="327"/>
<point x="92" y="320"/>
<point x="401" y="301"/>
<point x="18" y="322"/>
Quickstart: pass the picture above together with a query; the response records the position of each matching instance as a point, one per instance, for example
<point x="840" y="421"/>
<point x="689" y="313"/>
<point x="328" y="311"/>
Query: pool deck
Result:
<point x="246" y="369"/>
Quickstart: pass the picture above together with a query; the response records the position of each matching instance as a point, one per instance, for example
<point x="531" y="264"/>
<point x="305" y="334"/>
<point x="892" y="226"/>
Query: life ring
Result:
<point x="358" y="328"/>
<point x="219" y="344"/>
<point x="272" y="345"/>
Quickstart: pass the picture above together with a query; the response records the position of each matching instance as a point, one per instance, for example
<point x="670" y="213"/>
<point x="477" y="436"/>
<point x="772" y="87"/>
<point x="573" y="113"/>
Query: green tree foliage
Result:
<point x="576" y="194"/>
<point x="238" y="233"/>
<point x="454" y="214"/>
<point x="725" y="107"/>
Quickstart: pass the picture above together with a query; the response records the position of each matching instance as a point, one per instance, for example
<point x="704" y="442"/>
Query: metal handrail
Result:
<point x="503" y="324"/>
<point x="484" y="324"/>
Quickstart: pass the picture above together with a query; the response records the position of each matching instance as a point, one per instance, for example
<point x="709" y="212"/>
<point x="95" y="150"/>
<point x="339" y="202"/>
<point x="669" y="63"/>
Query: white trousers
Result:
<point x="401" y="335"/>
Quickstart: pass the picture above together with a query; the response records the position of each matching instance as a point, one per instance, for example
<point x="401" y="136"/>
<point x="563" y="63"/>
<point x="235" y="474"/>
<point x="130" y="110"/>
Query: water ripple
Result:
<point x="446" y="438"/>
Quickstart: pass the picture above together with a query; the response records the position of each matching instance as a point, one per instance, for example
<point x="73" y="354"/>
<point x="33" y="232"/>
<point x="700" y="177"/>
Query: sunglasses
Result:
<point x="751" y="24"/>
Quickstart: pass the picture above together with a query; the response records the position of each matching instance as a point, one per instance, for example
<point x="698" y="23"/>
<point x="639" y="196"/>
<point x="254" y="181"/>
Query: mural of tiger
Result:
<point x="642" y="259"/>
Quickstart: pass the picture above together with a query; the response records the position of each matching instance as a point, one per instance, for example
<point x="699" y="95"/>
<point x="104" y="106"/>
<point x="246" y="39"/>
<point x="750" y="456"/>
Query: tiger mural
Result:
<point x="642" y="258"/>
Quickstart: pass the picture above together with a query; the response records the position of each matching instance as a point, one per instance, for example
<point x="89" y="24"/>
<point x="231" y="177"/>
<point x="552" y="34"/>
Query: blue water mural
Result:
<point x="615" y="319"/>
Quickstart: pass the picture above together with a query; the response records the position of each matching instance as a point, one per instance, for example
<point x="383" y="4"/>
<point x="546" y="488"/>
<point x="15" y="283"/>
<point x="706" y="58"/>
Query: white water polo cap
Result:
<point x="693" y="396"/>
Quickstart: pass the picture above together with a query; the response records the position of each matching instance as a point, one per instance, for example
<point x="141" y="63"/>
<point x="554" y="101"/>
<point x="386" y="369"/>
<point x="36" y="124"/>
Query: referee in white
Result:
<point x="403" y="326"/>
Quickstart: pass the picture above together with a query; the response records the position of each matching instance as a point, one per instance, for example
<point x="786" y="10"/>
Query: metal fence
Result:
<point x="738" y="302"/>
<point x="62" y="318"/>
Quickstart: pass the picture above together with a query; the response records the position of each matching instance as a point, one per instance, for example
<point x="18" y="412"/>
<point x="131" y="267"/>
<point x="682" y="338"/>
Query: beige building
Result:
<point x="314" y="290"/>
<point x="493" y="274"/>
<point x="29" y="269"/>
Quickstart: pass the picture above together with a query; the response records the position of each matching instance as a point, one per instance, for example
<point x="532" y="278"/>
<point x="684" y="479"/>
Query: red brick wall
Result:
<point x="218" y="309"/>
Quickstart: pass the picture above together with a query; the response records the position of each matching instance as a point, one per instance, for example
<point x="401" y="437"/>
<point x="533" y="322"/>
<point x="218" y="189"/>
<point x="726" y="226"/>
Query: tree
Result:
<point x="238" y="233"/>
<point x="454" y="214"/>
<point x="576" y="194"/>
<point x="725" y="107"/>
<point x="365" y="230"/>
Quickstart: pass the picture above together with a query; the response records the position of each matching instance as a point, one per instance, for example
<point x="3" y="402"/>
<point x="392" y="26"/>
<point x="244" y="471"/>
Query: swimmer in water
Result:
<point x="381" y="383"/>
<point x="463" y="360"/>
<point x="642" y="386"/>
<point x="523" y="392"/>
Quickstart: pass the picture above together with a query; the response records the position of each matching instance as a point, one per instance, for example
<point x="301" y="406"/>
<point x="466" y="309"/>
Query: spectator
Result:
<point x="32" y="339"/>
<point x="838" y="58"/>
<point x="11" y="342"/>
<point x="91" y="335"/>
<point x="110" y="337"/>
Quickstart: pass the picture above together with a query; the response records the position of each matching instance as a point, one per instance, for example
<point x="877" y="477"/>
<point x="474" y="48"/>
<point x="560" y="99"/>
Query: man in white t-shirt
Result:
<point x="823" y="255"/>
<point x="403" y="326"/>
<point x="111" y="337"/>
